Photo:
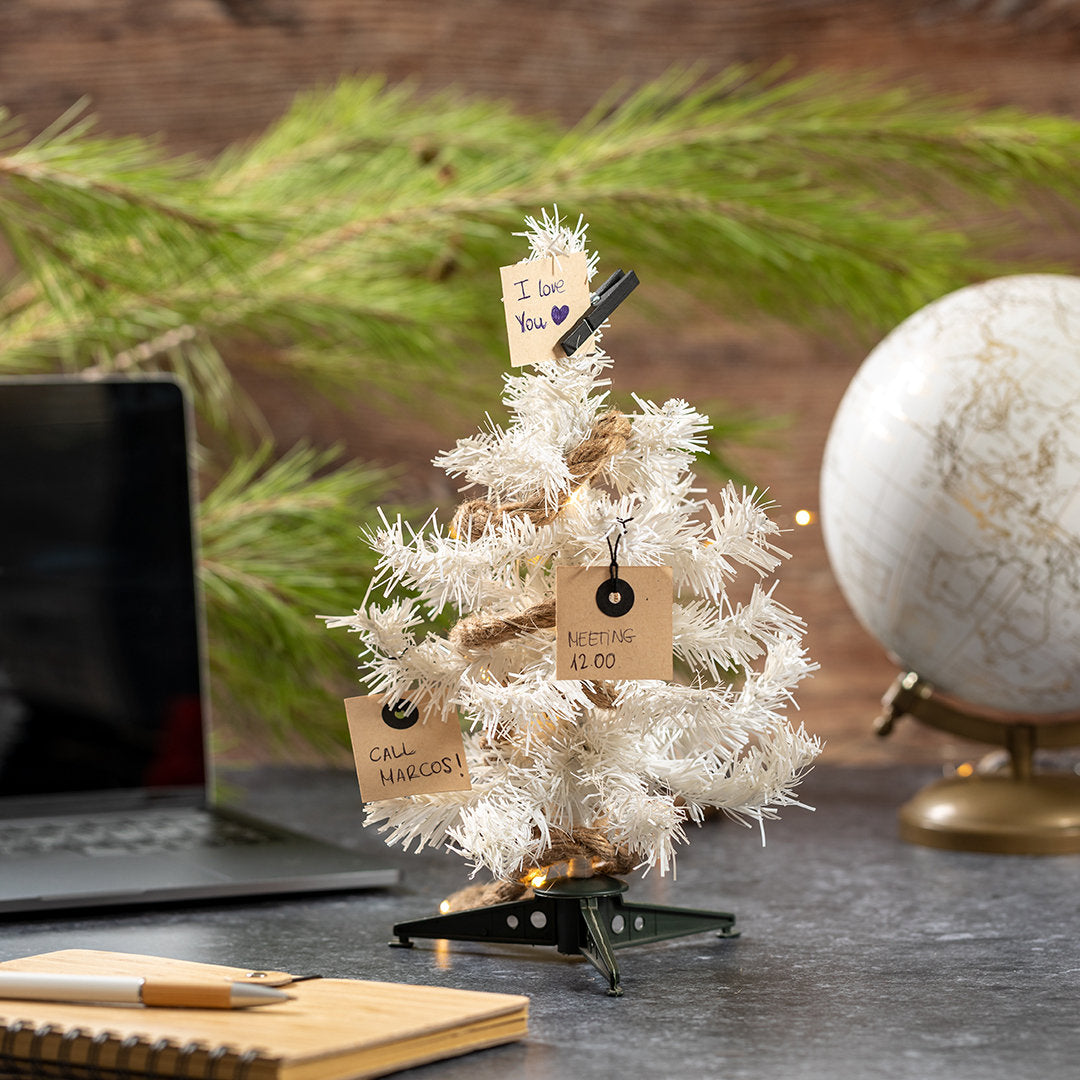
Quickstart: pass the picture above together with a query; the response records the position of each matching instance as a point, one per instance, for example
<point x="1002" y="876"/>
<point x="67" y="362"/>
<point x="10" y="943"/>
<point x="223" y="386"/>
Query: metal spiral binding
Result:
<point x="221" y="1063"/>
<point x="38" y="1067"/>
<point x="93" y="1053"/>
<point x="36" y="1044"/>
<point x="123" y="1055"/>
<point x="152" y="1055"/>
<point x="67" y="1044"/>
<point x="213" y="1059"/>
<point x="245" y="1063"/>
<point x="8" y="1062"/>
<point x="10" y="1034"/>
<point x="186" y="1055"/>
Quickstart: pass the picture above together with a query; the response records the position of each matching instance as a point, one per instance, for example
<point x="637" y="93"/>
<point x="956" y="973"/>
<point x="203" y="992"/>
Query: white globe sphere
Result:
<point x="950" y="493"/>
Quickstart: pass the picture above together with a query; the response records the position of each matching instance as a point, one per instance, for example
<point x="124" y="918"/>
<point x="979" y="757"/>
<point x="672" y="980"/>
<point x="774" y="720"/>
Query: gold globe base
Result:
<point x="1039" y="815"/>
<point x="1017" y="811"/>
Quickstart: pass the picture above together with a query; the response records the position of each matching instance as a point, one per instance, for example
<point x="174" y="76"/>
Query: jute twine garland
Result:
<point x="580" y="853"/>
<point x="492" y="892"/>
<point x="588" y="845"/>
<point x="601" y="694"/>
<point x="608" y="436"/>
<point x="482" y="631"/>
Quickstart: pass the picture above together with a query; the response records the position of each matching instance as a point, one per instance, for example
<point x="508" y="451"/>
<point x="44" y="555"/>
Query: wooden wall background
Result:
<point x="203" y="73"/>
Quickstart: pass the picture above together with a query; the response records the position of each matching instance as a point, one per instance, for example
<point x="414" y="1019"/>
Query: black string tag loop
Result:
<point x="615" y="597"/>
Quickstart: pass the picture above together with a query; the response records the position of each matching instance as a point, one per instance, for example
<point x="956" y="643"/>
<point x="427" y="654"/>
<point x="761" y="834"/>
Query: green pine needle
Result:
<point x="356" y="243"/>
<point x="279" y="546"/>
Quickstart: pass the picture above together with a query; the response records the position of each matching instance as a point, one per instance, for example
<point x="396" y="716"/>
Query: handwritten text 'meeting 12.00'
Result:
<point x="583" y="644"/>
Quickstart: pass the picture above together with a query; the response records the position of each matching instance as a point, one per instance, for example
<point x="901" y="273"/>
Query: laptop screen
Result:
<point x="99" y="632"/>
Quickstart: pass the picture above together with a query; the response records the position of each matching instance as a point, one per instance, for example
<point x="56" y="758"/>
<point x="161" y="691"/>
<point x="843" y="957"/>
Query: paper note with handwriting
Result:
<point x="543" y="298"/>
<point x="396" y="753"/>
<point x="606" y="631"/>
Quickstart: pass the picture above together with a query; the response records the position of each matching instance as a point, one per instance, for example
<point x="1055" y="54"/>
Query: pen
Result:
<point x="135" y="990"/>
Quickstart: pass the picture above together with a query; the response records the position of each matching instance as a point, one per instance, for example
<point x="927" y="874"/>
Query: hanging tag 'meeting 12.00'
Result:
<point x="613" y="625"/>
<point x="397" y="753"/>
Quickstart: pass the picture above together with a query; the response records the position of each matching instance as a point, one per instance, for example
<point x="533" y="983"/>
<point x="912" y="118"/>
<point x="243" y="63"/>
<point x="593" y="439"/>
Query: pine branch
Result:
<point x="278" y="544"/>
<point x="345" y="220"/>
<point x="84" y="213"/>
<point x="356" y="239"/>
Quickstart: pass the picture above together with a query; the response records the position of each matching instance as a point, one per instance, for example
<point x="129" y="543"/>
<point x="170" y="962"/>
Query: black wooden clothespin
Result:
<point x="604" y="301"/>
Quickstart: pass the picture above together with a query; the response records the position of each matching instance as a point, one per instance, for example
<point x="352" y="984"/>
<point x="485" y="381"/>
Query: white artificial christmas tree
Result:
<point x="597" y="776"/>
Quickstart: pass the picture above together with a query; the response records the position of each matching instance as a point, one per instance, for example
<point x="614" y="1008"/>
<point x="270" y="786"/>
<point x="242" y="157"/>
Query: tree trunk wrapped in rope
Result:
<point x="607" y="437"/>
<point x="581" y="853"/>
<point x="584" y="852"/>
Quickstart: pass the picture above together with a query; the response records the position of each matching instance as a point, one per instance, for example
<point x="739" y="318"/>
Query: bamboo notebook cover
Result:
<point x="332" y="1029"/>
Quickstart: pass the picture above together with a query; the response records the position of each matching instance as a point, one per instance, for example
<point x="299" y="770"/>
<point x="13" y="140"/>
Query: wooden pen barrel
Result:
<point x="184" y="994"/>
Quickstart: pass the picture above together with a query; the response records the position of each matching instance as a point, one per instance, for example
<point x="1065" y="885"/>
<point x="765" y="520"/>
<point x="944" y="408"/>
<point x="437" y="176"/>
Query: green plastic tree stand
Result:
<point x="578" y="916"/>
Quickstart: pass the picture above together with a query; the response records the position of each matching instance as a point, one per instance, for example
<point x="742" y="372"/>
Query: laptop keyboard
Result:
<point x="134" y="834"/>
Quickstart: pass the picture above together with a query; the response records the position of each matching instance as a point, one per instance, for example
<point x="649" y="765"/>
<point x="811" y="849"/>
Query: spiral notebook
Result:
<point x="332" y="1029"/>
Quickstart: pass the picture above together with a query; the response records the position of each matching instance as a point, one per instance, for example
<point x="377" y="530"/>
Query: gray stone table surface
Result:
<point x="860" y="956"/>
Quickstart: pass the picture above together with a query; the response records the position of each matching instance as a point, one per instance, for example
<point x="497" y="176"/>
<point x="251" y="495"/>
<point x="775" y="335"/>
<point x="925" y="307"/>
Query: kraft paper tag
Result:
<point x="601" y="635"/>
<point x="543" y="298"/>
<point x="396" y="753"/>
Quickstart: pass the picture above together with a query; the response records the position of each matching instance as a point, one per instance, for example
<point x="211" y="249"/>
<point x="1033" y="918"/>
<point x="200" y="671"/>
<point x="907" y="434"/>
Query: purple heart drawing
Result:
<point x="559" y="313"/>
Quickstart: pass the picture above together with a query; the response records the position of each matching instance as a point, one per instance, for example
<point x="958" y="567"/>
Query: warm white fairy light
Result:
<point x="543" y="755"/>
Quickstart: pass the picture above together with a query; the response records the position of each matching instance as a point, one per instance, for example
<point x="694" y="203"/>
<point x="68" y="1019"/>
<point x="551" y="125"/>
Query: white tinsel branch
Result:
<point x="544" y="755"/>
<point x="553" y="410"/>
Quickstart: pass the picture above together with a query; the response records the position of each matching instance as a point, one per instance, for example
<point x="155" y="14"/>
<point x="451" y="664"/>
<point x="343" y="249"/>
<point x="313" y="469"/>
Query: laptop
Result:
<point x="104" y="769"/>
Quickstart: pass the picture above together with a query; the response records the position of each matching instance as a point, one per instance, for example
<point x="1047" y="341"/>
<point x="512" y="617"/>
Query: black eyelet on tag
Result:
<point x="400" y="715"/>
<point x="608" y="588"/>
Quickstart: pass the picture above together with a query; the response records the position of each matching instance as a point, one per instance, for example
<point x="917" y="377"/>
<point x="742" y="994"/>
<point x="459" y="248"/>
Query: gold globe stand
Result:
<point x="1018" y="811"/>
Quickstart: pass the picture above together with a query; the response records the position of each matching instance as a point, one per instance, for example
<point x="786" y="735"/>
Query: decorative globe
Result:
<point x="950" y="494"/>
